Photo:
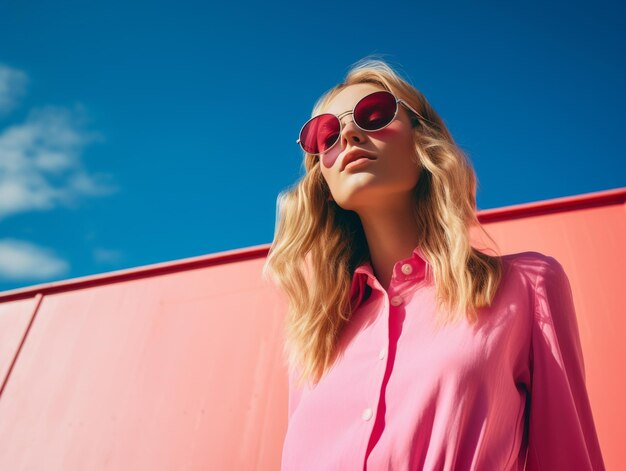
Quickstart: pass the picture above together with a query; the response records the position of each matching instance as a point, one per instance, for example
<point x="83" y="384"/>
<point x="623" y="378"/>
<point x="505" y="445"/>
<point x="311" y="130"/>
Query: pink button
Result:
<point x="397" y="300"/>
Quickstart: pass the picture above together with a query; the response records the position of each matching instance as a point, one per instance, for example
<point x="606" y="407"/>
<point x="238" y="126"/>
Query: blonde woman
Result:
<point x="409" y="349"/>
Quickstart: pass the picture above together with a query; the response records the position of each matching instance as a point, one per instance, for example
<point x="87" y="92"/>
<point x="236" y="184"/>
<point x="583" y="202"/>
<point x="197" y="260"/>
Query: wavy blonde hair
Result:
<point x="317" y="245"/>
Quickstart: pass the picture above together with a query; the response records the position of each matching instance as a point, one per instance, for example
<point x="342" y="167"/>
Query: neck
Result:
<point x="391" y="234"/>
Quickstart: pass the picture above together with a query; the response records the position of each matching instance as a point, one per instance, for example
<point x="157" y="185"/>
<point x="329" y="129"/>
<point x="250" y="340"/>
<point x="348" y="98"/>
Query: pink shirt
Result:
<point x="507" y="393"/>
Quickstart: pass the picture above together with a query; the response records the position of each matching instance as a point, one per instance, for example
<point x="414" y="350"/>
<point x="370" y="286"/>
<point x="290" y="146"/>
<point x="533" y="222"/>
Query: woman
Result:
<point x="408" y="348"/>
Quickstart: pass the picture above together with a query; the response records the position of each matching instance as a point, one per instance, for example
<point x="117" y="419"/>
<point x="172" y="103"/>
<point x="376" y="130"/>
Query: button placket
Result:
<point x="368" y="412"/>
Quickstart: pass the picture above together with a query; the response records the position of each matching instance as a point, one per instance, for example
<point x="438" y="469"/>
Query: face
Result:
<point x="381" y="182"/>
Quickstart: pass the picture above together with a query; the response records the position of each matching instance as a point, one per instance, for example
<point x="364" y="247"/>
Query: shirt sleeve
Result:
<point x="561" y="430"/>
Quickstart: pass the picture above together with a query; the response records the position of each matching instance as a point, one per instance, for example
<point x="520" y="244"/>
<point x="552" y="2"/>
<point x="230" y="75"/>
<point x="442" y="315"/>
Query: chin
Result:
<point x="350" y="205"/>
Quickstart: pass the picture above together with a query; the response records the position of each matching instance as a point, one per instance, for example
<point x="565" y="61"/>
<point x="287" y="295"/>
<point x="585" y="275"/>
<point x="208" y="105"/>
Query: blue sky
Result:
<point x="134" y="133"/>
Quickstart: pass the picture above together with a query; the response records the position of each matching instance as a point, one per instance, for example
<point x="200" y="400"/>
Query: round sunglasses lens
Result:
<point x="319" y="133"/>
<point x="375" y="111"/>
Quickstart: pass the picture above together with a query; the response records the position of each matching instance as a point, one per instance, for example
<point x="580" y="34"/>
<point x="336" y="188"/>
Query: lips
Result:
<point x="353" y="155"/>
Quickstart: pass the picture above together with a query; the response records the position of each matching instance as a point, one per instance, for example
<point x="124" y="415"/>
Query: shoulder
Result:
<point x="546" y="282"/>
<point x="532" y="274"/>
<point x="536" y="267"/>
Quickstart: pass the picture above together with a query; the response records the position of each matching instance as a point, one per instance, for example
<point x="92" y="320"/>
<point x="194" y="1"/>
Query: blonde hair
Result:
<point x="317" y="245"/>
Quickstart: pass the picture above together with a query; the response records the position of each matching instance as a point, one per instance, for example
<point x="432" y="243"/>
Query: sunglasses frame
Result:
<point x="398" y="100"/>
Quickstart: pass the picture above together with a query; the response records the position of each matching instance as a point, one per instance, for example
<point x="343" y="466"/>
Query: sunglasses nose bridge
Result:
<point x="343" y="125"/>
<point x="347" y="130"/>
<point x="341" y="116"/>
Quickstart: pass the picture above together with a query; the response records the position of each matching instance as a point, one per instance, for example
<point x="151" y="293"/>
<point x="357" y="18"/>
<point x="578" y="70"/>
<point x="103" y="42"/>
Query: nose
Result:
<point x="350" y="132"/>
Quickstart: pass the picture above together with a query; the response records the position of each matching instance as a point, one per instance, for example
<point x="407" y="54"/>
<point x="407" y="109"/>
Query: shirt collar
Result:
<point x="415" y="267"/>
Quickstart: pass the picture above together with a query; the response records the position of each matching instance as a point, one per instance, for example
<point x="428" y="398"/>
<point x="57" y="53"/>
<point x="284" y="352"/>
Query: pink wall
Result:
<point x="179" y="366"/>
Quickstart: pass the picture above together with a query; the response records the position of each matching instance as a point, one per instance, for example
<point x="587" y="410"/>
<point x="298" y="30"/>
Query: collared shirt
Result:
<point x="502" y="394"/>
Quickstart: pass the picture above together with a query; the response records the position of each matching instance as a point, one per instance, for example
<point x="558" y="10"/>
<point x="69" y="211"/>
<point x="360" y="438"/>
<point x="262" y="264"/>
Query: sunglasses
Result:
<point x="373" y="112"/>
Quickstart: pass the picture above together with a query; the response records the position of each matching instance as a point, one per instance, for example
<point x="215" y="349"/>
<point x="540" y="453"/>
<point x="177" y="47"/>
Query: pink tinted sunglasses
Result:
<point x="373" y="112"/>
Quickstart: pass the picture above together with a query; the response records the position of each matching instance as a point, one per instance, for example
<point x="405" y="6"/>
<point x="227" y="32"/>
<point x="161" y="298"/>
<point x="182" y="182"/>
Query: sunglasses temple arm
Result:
<point x="411" y="108"/>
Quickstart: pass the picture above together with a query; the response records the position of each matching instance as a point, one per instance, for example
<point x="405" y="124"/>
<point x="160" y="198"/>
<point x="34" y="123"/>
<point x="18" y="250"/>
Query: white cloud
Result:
<point x="12" y="86"/>
<point x="20" y="260"/>
<point x="40" y="162"/>
<point x="41" y="168"/>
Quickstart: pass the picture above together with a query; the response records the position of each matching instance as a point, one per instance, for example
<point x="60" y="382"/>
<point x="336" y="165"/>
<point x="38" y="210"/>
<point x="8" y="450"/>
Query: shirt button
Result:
<point x="381" y="354"/>
<point x="397" y="300"/>
<point x="367" y="414"/>
<point x="407" y="269"/>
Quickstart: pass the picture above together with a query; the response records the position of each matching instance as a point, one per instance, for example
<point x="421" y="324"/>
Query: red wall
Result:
<point x="179" y="366"/>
